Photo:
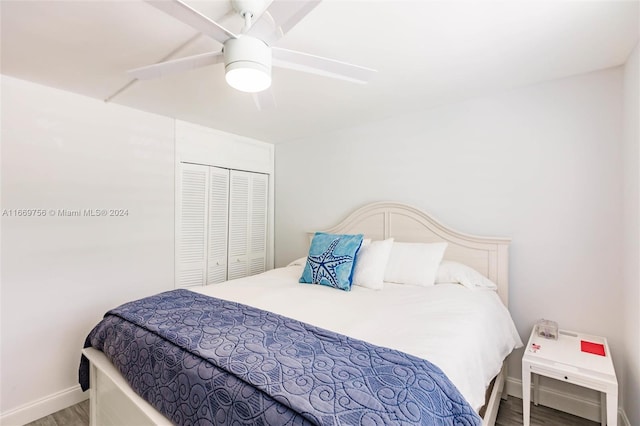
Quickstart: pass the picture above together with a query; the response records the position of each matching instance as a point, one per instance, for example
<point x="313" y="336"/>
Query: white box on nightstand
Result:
<point x="563" y="359"/>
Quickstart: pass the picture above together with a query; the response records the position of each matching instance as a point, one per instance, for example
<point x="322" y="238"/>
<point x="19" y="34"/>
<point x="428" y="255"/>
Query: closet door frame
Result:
<point x="201" y="145"/>
<point x="239" y="230"/>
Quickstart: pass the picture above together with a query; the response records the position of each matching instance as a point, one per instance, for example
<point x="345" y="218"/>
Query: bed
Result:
<point x="467" y="334"/>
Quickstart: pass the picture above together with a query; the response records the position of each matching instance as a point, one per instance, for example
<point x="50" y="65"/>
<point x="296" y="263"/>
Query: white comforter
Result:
<point x="466" y="333"/>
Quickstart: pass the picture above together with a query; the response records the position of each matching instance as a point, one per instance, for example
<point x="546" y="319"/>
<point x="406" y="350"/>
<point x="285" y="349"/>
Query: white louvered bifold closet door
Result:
<point x="247" y="223"/>
<point x="218" y="225"/>
<point x="258" y="223"/>
<point x="191" y="250"/>
<point x="238" y="224"/>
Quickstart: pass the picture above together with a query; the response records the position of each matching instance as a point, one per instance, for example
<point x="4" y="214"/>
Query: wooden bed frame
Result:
<point x="113" y="402"/>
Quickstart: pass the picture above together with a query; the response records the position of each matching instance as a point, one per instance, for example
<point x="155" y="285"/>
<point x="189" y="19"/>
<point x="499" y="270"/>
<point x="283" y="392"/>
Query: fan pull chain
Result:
<point x="247" y="21"/>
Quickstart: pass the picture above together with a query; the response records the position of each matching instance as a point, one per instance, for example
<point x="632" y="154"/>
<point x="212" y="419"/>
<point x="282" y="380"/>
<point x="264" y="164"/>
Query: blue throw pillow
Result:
<point x="331" y="259"/>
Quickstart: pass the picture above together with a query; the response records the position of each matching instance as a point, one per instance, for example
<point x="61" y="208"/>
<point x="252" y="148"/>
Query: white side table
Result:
<point x="563" y="359"/>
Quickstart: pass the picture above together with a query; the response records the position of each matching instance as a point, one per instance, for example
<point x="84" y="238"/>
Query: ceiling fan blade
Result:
<point x="193" y="18"/>
<point x="264" y="100"/>
<point x="177" y="65"/>
<point x="279" y="18"/>
<point x="313" y="64"/>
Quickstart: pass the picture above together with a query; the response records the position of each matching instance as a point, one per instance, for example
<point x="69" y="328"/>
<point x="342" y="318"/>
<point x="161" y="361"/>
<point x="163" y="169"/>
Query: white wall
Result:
<point x="631" y="167"/>
<point x="540" y="164"/>
<point x="60" y="274"/>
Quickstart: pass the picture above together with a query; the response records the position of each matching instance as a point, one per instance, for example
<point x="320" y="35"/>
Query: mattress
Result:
<point x="466" y="333"/>
<point x="208" y="361"/>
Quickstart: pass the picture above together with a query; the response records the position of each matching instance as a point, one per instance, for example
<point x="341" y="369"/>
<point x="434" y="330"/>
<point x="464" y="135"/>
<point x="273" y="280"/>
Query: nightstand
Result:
<point x="564" y="360"/>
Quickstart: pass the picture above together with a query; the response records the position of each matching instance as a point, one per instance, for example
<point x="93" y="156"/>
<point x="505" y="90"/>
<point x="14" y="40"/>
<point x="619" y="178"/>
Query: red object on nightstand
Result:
<point x="592" y="348"/>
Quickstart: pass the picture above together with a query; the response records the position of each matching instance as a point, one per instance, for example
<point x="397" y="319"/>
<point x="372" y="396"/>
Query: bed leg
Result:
<point x="503" y="385"/>
<point x="93" y="379"/>
<point x="498" y="392"/>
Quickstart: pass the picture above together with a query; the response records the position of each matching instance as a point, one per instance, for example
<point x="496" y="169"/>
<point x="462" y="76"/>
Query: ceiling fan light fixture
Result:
<point x="247" y="64"/>
<point x="248" y="77"/>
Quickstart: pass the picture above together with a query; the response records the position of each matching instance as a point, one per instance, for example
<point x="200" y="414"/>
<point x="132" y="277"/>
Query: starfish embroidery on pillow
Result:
<point x="325" y="264"/>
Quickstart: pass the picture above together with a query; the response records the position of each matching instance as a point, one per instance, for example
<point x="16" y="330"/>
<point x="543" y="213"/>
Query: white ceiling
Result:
<point x="426" y="53"/>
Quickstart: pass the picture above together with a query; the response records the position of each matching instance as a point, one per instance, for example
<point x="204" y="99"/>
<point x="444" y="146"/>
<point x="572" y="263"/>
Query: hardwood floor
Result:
<point x="510" y="415"/>
<point x="76" y="415"/>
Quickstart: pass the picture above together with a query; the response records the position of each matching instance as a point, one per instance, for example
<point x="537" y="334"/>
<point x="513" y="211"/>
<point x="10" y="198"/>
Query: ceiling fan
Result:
<point x="249" y="56"/>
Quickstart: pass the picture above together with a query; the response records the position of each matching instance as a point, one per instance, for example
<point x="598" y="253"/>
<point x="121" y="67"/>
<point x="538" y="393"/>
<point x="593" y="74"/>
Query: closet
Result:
<point x="221" y="224"/>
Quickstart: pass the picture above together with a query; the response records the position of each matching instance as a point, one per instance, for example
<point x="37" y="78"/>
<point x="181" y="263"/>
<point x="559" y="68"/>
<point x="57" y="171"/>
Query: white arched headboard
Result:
<point x="487" y="255"/>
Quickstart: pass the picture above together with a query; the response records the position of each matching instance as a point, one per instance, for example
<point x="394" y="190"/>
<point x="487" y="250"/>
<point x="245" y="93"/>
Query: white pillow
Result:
<point x="301" y="261"/>
<point x="414" y="263"/>
<point x="454" y="272"/>
<point x="371" y="262"/>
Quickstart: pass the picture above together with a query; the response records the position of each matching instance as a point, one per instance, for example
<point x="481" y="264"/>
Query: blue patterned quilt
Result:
<point x="207" y="361"/>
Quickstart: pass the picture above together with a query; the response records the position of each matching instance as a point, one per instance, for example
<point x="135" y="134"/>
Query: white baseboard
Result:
<point x="563" y="401"/>
<point x="623" y="419"/>
<point x="42" y="407"/>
